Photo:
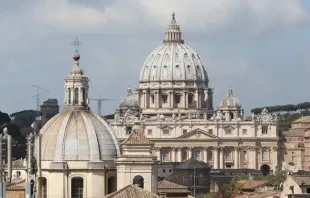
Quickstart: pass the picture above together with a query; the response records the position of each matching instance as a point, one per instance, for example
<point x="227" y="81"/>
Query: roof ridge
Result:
<point x="174" y="185"/>
<point x="137" y="137"/>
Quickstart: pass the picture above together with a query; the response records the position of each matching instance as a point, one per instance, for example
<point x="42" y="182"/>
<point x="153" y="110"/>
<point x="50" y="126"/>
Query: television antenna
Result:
<point x="39" y="92"/>
<point x="99" y="104"/>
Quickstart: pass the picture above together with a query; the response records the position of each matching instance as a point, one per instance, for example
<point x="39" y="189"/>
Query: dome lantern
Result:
<point x="173" y="33"/>
<point x="76" y="83"/>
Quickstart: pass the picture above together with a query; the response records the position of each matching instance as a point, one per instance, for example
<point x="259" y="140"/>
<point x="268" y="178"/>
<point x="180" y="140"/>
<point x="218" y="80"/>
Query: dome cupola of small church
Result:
<point x="130" y="100"/>
<point x="76" y="133"/>
<point x="230" y="101"/>
<point x="229" y="108"/>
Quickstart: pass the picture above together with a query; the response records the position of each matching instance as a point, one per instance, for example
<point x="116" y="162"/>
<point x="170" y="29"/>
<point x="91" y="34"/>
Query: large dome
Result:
<point x="77" y="134"/>
<point x="173" y="60"/>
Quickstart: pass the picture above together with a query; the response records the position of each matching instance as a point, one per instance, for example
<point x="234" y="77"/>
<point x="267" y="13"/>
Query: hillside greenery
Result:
<point x="287" y="113"/>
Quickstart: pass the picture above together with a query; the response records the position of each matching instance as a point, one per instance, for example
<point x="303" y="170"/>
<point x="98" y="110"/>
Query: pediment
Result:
<point x="228" y="127"/>
<point x="197" y="134"/>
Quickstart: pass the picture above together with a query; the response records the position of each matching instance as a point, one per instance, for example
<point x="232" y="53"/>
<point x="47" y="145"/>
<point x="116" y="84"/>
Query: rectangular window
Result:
<point x="210" y="155"/>
<point x="184" y="131"/>
<point x="264" y="130"/>
<point x="265" y="155"/>
<point x="177" y="99"/>
<point x="228" y="156"/>
<point x="165" y="131"/>
<point x="128" y="130"/>
<point x="196" y="155"/>
<point x="164" y="99"/>
<point x="210" y="131"/>
<point x="165" y="156"/>
<point x="152" y="99"/>
<point x="190" y="98"/>
<point x="149" y="131"/>
<point x="244" y="131"/>
<point x="228" y="131"/>
<point x="184" y="156"/>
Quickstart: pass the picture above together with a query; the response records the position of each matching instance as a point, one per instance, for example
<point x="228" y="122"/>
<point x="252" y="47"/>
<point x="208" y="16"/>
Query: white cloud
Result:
<point x="127" y="15"/>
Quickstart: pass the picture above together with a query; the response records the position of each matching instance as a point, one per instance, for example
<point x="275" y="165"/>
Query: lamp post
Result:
<point x="33" y="160"/>
<point x="5" y="179"/>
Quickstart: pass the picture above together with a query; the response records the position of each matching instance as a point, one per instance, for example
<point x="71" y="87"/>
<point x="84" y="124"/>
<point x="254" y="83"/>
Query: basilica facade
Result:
<point x="175" y="106"/>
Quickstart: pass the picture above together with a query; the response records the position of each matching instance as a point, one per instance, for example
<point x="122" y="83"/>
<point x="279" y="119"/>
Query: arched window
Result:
<point x="77" y="187"/>
<point x="44" y="188"/>
<point x="76" y="96"/>
<point x="111" y="184"/>
<point x="69" y="95"/>
<point x="84" y="96"/>
<point x="138" y="180"/>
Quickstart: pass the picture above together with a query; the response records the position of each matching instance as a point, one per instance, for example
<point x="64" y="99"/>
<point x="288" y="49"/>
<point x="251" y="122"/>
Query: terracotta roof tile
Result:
<point x="170" y="187"/>
<point x="131" y="191"/>
<point x="137" y="137"/>
<point x="251" y="184"/>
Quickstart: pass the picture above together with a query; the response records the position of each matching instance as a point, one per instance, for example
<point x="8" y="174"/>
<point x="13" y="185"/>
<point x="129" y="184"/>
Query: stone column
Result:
<point x="189" y="153"/>
<point x="275" y="158"/>
<point x="215" y="158"/>
<point x="173" y="154"/>
<point x="253" y="157"/>
<point x="236" y="160"/>
<point x="184" y="99"/>
<point x="66" y="96"/>
<point x="81" y="96"/>
<point x="158" y="153"/>
<point x="170" y="99"/>
<point x="144" y="99"/>
<point x="157" y="99"/>
<point x="199" y="99"/>
<point x="179" y="154"/>
<point x="221" y="158"/>
<point x="205" y="154"/>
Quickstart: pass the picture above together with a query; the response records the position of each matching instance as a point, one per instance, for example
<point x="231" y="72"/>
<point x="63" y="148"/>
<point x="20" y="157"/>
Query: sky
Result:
<point x="260" y="48"/>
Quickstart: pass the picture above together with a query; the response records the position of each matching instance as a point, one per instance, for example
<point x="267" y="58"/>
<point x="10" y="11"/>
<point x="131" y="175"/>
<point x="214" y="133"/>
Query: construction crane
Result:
<point x="39" y="92"/>
<point x="99" y="104"/>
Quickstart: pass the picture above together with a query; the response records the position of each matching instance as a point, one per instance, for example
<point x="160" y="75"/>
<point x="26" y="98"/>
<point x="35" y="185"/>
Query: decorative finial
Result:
<point x="230" y="92"/>
<point x="129" y="92"/>
<point x="173" y="16"/>
<point x="76" y="43"/>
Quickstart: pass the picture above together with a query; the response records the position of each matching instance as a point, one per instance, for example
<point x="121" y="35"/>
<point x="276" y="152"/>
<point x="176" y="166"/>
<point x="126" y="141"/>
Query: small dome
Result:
<point x="173" y="60"/>
<point x="230" y="101"/>
<point x="130" y="101"/>
<point x="78" y="135"/>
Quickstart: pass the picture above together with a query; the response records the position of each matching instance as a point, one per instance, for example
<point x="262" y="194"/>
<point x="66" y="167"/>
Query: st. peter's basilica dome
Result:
<point x="173" y="60"/>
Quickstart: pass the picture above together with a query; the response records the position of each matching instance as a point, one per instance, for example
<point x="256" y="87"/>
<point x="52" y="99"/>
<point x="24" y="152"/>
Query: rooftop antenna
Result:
<point x="39" y="92"/>
<point x="99" y="104"/>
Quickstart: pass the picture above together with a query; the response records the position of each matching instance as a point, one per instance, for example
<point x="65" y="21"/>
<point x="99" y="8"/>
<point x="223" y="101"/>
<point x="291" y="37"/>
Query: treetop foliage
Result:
<point x="304" y="106"/>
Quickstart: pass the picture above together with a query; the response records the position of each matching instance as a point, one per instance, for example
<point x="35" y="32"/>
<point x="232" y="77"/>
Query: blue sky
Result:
<point x="259" y="47"/>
